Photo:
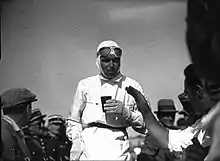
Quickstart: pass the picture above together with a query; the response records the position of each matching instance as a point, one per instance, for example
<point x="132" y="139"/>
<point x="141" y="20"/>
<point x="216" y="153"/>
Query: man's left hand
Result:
<point x="116" y="106"/>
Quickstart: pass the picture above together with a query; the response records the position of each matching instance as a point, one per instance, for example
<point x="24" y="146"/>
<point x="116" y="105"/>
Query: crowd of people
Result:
<point x="25" y="134"/>
<point x="106" y="104"/>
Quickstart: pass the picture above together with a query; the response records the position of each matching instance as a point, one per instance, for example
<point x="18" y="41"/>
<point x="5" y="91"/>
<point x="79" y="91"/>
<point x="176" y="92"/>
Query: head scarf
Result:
<point x="108" y="43"/>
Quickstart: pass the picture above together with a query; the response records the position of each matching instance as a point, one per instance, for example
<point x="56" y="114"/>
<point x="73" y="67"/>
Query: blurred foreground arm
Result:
<point x="214" y="154"/>
<point x="151" y="123"/>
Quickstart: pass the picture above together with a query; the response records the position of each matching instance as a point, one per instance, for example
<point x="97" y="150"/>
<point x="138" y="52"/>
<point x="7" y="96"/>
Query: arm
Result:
<point x="73" y="123"/>
<point x="151" y="123"/>
<point x="172" y="139"/>
<point x="136" y="120"/>
<point x="214" y="151"/>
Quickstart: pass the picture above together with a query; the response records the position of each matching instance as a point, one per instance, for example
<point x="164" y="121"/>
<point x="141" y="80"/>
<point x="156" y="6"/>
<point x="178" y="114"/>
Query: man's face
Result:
<point x="28" y="113"/>
<point x="199" y="99"/>
<point x="55" y="128"/>
<point x="37" y="127"/>
<point x="110" y="65"/>
<point x="166" y="118"/>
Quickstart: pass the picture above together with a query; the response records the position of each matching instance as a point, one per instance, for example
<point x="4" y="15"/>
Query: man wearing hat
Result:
<point x="35" y="136"/>
<point x="16" y="105"/>
<point x="36" y="124"/>
<point x="58" y="147"/>
<point x="55" y="125"/>
<point x="166" y="113"/>
<point x="104" y="137"/>
<point x="152" y="151"/>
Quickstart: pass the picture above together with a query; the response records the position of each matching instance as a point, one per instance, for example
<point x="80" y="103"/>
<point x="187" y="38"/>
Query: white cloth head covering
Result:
<point x="107" y="43"/>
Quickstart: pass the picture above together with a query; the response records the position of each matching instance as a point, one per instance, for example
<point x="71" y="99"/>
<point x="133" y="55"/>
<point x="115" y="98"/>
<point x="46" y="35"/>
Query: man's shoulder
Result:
<point x="6" y="128"/>
<point x="131" y="81"/>
<point x="90" y="79"/>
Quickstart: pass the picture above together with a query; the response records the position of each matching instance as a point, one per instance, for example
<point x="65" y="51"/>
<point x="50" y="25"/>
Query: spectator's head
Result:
<point x="17" y="103"/>
<point x="188" y="112"/>
<point x="166" y="112"/>
<point x="37" y="122"/>
<point x="197" y="95"/>
<point x="182" y="123"/>
<point x="109" y="59"/>
<point x="203" y="37"/>
<point x="56" y="125"/>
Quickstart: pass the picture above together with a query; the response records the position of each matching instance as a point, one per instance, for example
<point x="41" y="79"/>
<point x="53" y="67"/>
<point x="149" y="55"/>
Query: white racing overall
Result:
<point x="95" y="143"/>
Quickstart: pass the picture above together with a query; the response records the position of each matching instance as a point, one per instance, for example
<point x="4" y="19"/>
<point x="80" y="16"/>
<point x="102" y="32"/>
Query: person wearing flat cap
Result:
<point x="152" y="151"/>
<point x="16" y="105"/>
<point x="104" y="135"/>
<point x="58" y="147"/>
<point x="35" y="136"/>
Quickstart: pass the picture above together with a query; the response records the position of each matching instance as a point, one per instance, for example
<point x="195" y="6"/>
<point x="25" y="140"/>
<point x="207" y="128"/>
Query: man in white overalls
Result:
<point x="99" y="132"/>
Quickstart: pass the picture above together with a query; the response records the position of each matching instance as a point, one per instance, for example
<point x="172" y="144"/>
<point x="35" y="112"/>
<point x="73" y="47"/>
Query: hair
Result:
<point x="191" y="78"/>
<point x="17" y="109"/>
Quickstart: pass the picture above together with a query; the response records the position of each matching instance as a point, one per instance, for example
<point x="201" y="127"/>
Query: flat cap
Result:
<point x="16" y="96"/>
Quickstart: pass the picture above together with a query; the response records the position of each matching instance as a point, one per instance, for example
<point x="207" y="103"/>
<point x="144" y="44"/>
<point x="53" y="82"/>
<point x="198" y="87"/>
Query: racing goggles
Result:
<point x="105" y="51"/>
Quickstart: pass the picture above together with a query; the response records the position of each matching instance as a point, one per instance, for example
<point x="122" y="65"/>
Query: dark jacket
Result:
<point x="152" y="150"/>
<point x="58" y="149"/>
<point x="15" y="148"/>
<point x="37" y="146"/>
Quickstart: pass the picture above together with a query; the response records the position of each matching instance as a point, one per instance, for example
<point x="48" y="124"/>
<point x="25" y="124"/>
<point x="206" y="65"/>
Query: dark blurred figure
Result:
<point x="203" y="37"/>
<point x="58" y="147"/>
<point x="151" y="150"/>
<point x="203" y="41"/>
<point x="16" y="105"/>
<point x="35" y="136"/>
<point x="189" y="115"/>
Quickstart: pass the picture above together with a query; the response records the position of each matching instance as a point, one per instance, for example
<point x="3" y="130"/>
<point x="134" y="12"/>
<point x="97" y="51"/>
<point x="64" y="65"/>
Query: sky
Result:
<point x="49" y="45"/>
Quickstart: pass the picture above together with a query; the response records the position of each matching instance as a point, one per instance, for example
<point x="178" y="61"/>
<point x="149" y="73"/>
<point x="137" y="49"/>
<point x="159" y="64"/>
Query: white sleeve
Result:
<point x="179" y="139"/>
<point x="73" y="124"/>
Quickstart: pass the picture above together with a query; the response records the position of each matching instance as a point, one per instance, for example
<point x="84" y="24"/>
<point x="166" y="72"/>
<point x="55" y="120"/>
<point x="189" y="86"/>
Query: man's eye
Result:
<point x="105" y="60"/>
<point x="116" y="60"/>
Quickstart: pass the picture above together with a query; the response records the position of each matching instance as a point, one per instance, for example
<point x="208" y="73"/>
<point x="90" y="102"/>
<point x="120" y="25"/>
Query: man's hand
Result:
<point x="141" y="101"/>
<point x="195" y="152"/>
<point x="115" y="106"/>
